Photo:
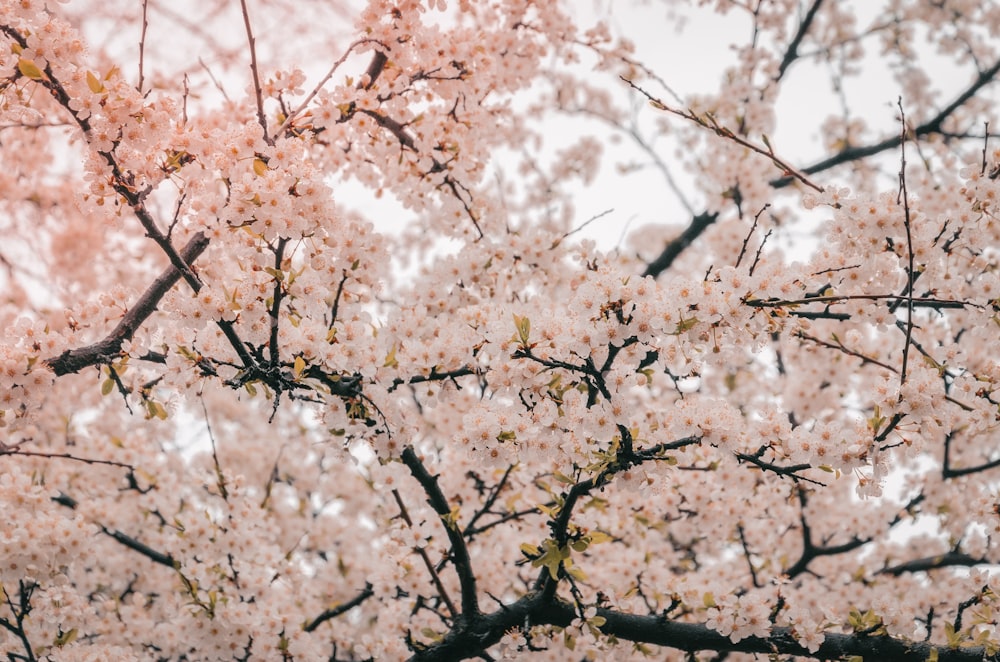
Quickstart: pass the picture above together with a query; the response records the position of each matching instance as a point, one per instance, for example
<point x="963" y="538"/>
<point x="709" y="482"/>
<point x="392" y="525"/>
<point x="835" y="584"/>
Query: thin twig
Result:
<point x="63" y="456"/>
<point x="336" y="65"/>
<point x="910" y="272"/>
<point x="792" y="53"/>
<point x="709" y="122"/>
<point x="422" y="553"/>
<point x="258" y="93"/>
<point x="459" y="550"/>
<point x="142" y="46"/>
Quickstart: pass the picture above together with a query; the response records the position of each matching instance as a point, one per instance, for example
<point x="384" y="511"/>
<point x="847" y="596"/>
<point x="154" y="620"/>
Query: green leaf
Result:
<point x="107" y="386"/>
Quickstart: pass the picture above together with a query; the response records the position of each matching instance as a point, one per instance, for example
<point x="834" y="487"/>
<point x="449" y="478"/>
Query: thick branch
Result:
<point x="106" y="350"/>
<point x="463" y="563"/>
<point x="654" y="629"/>
<point x="663" y="261"/>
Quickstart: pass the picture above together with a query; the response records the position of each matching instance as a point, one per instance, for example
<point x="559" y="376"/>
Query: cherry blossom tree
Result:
<point x="308" y="354"/>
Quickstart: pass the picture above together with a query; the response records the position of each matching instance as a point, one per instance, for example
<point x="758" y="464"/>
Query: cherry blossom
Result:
<point x="312" y="350"/>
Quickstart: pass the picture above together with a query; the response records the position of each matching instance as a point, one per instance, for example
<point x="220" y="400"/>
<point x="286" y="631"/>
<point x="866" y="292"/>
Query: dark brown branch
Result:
<point x="947" y="560"/>
<point x="255" y="71"/>
<point x="947" y="471"/>
<point x="673" y="249"/>
<point x="422" y="553"/>
<point x="124" y="539"/>
<point x="108" y="349"/>
<point x="790" y="471"/>
<point x="334" y="612"/>
<point x="15" y="450"/>
<point x="534" y="609"/>
<point x="911" y="274"/>
<point x="625" y="459"/>
<point x="709" y="122"/>
<point x="276" y="298"/>
<point x="121" y="182"/>
<point x="792" y="53"/>
<point x="142" y="45"/>
<point x="810" y="550"/>
<point x="932" y="126"/>
<point x="460" y="552"/>
<point x="924" y="302"/>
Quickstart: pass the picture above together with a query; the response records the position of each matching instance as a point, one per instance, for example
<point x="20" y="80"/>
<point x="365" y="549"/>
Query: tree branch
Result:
<point x="533" y="609"/>
<point x="947" y="560"/>
<point x="933" y="125"/>
<point x="673" y="249"/>
<point x="106" y="350"/>
<point x="792" y="53"/>
<point x="127" y="540"/>
<point x="333" y="612"/>
<point x="463" y="563"/>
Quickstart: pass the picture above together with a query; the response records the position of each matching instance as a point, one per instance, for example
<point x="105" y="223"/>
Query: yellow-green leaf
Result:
<point x="156" y="410"/>
<point x="30" y="69"/>
<point x="562" y="478"/>
<point x="685" y="325"/>
<point x="390" y="358"/>
<point x="300" y="365"/>
<point x="259" y="167"/>
<point x="597" y="537"/>
<point x="65" y="638"/>
<point x="107" y="386"/>
<point x="94" y="83"/>
<point x="523" y="325"/>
